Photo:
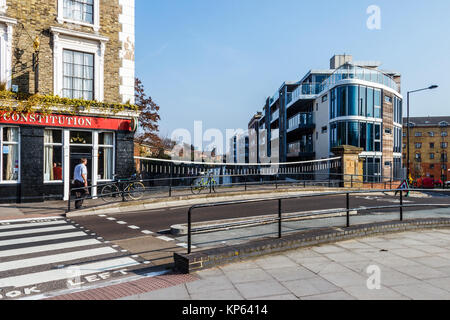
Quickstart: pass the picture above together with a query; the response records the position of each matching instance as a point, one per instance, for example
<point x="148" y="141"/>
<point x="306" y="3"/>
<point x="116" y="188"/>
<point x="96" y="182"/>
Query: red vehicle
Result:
<point x="427" y="183"/>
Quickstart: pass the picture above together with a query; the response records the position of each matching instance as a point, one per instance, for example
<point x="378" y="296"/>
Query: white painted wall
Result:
<point x="127" y="37"/>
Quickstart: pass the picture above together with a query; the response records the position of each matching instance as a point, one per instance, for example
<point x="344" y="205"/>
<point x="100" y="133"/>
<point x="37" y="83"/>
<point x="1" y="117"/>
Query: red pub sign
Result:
<point x="65" y="121"/>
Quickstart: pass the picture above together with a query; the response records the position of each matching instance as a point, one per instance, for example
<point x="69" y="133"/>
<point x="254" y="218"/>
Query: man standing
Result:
<point x="80" y="181"/>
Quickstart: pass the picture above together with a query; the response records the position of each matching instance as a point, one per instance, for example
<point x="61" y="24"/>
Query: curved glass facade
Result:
<point x="355" y="100"/>
<point x="349" y="71"/>
<point x="362" y="134"/>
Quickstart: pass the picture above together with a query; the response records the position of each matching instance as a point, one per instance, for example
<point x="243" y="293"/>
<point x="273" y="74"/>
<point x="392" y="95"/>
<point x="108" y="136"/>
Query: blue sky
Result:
<point x="218" y="60"/>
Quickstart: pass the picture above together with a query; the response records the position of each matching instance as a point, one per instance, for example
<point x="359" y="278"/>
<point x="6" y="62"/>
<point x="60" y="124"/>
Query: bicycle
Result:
<point x="132" y="189"/>
<point x="200" y="184"/>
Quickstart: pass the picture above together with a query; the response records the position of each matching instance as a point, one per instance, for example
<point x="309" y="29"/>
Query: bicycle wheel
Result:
<point x="197" y="186"/>
<point x="135" y="190"/>
<point x="110" y="193"/>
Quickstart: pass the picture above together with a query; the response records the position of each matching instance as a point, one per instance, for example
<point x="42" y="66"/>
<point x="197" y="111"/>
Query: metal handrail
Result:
<point x="280" y="199"/>
<point x="332" y="178"/>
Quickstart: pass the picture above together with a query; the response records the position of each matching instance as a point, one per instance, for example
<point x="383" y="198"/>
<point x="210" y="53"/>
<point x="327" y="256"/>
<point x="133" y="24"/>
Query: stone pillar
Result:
<point x="352" y="167"/>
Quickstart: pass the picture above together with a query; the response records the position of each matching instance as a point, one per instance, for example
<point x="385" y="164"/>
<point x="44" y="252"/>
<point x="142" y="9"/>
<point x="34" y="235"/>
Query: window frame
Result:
<point x="73" y="77"/>
<point x="18" y="144"/>
<point x="58" y="144"/>
<point x="113" y="147"/>
<point x="64" y="39"/>
<point x="96" y="16"/>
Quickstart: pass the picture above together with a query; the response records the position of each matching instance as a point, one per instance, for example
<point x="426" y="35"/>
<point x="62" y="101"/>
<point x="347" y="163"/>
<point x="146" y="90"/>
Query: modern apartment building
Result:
<point x="238" y="151"/>
<point x="351" y="103"/>
<point x="428" y="146"/>
<point x="67" y="92"/>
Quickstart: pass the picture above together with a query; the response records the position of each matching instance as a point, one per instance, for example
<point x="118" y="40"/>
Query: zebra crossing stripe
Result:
<point x="165" y="238"/>
<point x="49" y="247"/>
<point x="30" y="220"/>
<point x="24" y="225"/>
<point x="42" y="238"/>
<point x="32" y="231"/>
<point x="57" y="258"/>
<point x="66" y="273"/>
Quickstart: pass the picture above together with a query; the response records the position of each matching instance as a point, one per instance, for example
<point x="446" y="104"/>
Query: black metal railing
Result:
<point x="280" y="217"/>
<point x="166" y="187"/>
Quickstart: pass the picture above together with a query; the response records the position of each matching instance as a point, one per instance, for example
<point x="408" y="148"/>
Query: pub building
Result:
<point x="40" y="152"/>
<point x="79" y="50"/>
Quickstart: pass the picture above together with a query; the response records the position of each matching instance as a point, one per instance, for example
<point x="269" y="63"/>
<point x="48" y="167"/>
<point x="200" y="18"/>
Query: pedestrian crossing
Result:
<point x="43" y="255"/>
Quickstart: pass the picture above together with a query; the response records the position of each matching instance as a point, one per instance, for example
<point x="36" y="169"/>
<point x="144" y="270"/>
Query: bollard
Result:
<point x="401" y="205"/>
<point x="348" y="209"/>
<point x="189" y="230"/>
<point x="279" y="218"/>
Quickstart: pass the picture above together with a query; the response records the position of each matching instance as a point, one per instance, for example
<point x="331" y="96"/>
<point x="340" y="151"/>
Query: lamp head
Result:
<point x="433" y="87"/>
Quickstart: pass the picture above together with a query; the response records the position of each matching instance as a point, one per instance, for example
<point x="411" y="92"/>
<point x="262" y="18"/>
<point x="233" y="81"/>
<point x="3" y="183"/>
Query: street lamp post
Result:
<point x="408" y="125"/>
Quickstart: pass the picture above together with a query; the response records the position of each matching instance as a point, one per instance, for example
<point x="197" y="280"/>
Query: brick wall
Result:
<point x="427" y="166"/>
<point x="35" y="17"/>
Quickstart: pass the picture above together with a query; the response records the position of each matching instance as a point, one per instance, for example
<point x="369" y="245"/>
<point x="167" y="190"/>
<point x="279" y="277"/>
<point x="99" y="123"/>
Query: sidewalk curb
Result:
<point x="193" y="200"/>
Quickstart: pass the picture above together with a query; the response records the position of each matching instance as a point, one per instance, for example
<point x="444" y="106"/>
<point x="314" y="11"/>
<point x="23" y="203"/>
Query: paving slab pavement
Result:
<point x="331" y="272"/>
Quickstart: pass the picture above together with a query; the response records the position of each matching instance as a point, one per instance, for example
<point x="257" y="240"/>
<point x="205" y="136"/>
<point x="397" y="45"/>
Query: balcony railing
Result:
<point x="349" y="71"/>
<point x="303" y="119"/>
<point x="275" y="115"/>
<point x="300" y="147"/>
<point x="304" y="91"/>
<point x="345" y="72"/>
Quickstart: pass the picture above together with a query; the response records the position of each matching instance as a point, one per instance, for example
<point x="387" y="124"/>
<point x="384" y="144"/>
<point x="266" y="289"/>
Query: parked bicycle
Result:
<point x="203" y="183"/>
<point x="132" y="189"/>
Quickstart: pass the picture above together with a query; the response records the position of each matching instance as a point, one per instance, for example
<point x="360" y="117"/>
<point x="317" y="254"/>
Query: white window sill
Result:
<point x="9" y="182"/>
<point x="53" y="182"/>
<point x="81" y="23"/>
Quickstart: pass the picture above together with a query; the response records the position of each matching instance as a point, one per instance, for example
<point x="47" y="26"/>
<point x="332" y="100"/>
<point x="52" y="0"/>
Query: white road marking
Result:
<point x="121" y="222"/>
<point x="102" y="215"/>
<point x="42" y="238"/>
<point x="29" y="219"/>
<point x="57" y="258"/>
<point x="133" y="227"/>
<point x="165" y="238"/>
<point x="111" y="219"/>
<point x="147" y="232"/>
<point x="66" y="273"/>
<point x="32" y="231"/>
<point x="24" y="225"/>
<point x="49" y="247"/>
<point x="184" y="245"/>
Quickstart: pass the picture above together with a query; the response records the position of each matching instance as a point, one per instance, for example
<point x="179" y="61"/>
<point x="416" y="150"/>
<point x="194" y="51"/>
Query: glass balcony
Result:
<point x="301" y="120"/>
<point x="304" y="91"/>
<point x="274" y="98"/>
<point x="349" y="71"/>
<point x="275" y="115"/>
<point x="300" y="147"/>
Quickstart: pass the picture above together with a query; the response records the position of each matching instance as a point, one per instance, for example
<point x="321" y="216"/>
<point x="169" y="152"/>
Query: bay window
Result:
<point x="10" y="163"/>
